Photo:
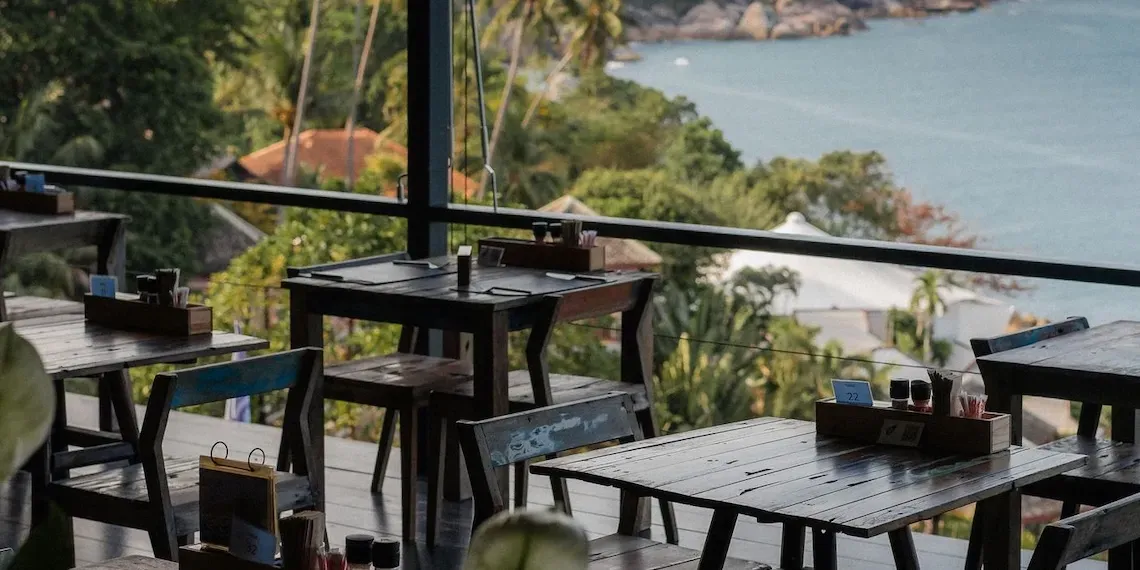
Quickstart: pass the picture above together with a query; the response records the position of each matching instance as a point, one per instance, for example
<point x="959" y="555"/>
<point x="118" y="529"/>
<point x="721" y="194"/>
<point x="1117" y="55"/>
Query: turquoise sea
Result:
<point x="1024" y="118"/>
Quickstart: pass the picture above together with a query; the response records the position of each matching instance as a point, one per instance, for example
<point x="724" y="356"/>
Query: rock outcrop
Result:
<point x="708" y="21"/>
<point x="814" y="18"/>
<point x="753" y="24"/>
<point x="666" y="20"/>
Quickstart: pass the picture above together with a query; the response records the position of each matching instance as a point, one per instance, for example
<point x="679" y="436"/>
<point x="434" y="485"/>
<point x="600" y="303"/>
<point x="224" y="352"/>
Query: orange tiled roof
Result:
<point x="327" y="150"/>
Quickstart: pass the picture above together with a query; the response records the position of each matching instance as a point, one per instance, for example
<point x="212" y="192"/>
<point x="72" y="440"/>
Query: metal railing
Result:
<point x="971" y="260"/>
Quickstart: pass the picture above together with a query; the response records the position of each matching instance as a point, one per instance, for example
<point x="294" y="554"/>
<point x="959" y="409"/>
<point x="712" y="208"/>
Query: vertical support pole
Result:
<point x="429" y="141"/>
<point x="429" y="124"/>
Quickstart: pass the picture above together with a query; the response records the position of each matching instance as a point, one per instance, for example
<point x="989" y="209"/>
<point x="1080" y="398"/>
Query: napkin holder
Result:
<point x="127" y="312"/>
<point x="882" y="424"/>
<point x="554" y="256"/>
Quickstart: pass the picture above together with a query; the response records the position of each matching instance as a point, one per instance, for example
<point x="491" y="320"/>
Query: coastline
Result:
<point x="654" y="21"/>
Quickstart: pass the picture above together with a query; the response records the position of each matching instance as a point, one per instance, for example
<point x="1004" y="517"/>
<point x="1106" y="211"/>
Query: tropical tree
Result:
<point x="595" y="26"/>
<point x="926" y="304"/>
<point x="707" y="345"/>
<point x="518" y="17"/>
<point x="796" y="372"/>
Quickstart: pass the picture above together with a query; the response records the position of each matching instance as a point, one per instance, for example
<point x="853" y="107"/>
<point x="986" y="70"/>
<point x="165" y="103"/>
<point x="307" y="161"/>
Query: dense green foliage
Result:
<point x="168" y="86"/>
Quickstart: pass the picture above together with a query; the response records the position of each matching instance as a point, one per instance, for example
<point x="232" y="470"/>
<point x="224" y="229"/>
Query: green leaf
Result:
<point x="27" y="401"/>
<point x="528" y="540"/>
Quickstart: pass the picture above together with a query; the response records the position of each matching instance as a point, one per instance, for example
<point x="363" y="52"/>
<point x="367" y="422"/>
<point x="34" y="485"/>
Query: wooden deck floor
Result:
<point x="352" y="508"/>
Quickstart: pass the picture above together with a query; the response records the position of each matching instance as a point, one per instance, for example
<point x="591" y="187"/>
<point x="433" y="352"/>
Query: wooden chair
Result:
<point x="1074" y="538"/>
<point x="399" y="383"/>
<point x="1086" y="430"/>
<point x="515" y="438"/>
<point x="160" y="495"/>
<point x="529" y="391"/>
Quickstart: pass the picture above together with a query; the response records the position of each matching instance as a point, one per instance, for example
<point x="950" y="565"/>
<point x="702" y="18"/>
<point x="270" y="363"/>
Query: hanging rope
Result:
<point x="482" y="105"/>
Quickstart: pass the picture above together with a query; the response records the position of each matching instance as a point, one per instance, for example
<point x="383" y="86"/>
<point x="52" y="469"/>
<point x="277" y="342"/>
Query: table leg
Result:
<point x="636" y="368"/>
<point x="823" y="551"/>
<point x="305" y="329"/>
<point x="902" y="549"/>
<point x="1122" y="557"/>
<point x="1124" y="424"/>
<point x="999" y="398"/>
<point x="59" y="429"/>
<point x="719" y="537"/>
<point x="792" y="547"/>
<point x="1002" y="531"/>
<point x="490" y="377"/>
<point x="118" y="388"/>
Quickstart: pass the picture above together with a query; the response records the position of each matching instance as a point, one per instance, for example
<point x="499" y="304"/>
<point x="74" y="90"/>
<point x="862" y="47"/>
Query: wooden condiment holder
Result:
<point x="952" y="434"/>
<point x="200" y="557"/>
<point x="56" y="203"/>
<point x="124" y="312"/>
<point x="527" y="253"/>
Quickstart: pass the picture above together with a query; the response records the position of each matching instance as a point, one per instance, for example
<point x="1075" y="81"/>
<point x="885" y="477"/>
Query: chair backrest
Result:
<point x="993" y="345"/>
<point x="1090" y="413"/>
<point x="397" y="256"/>
<point x="294" y="370"/>
<point x="505" y="440"/>
<point x="1078" y="537"/>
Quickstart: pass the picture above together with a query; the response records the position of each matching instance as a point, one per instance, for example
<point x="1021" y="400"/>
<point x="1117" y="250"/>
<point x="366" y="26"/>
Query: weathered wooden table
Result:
<point x="71" y="347"/>
<point x="1100" y="366"/>
<point x="778" y="470"/>
<point x="133" y="563"/>
<point x="498" y="301"/>
<point x="22" y="233"/>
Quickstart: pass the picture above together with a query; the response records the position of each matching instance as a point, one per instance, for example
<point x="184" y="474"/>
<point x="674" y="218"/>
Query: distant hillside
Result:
<point x="665" y="20"/>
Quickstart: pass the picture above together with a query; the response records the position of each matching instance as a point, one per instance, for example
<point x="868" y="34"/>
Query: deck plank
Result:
<point x="352" y="508"/>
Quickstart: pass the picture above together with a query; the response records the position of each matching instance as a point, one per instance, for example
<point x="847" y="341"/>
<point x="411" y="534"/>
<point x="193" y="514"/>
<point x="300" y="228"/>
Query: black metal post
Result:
<point x="429" y="123"/>
<point x="429" y="142"/>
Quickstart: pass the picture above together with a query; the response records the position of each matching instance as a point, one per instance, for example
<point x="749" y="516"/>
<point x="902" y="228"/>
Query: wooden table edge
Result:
<point x="770" y="517"/>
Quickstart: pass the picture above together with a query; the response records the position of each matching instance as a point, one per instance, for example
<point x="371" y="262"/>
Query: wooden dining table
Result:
<point x="779" y="471"/>
<point x="71" y="347"/>
<point x="498" y="300"/>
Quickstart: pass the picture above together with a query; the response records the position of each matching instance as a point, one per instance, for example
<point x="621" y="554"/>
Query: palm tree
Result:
<point x="299" y="116"/>
<point x="517" y="16"/>
<point x="708" y="342"/>
<point x="358" y="86"/>
<point x="595" y="27"/>
<point x="927" y="304"/>
<point x="32" y="129"/>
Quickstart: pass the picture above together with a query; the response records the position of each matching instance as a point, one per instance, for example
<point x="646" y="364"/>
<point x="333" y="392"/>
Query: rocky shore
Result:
<point x="668" y="20"/>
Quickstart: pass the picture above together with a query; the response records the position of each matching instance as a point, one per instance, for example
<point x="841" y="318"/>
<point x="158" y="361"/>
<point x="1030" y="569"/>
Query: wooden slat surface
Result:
<point x="780" y="470"/>
<point x="353" y="509"/>
<point x="133" y="563"/>
<point x="29" y="307"/>
<point x="1105" y="349"/>
<point x="73" y="347"/>
<point x="390" y="280"/>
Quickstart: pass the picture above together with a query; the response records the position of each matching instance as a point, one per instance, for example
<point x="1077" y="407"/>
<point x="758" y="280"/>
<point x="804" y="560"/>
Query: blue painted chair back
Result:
<point x="247" y="377"/>
<point x="514" y="438"/>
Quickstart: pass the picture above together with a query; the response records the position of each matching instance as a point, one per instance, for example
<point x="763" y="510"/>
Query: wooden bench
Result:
<point x="160" y="495"/>
<point x="515" y="438"/>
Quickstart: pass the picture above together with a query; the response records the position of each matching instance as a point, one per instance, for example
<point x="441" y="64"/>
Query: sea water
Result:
<point x="1023" y="118"/>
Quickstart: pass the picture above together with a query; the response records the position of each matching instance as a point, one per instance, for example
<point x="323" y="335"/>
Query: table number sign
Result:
<point x="853" y="392"/>
<point x="104" y="285"/>
<point x="899" y="432"/>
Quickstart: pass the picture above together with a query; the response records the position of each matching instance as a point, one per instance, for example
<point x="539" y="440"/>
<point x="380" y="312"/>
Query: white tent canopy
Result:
<point x="844" y="285"/>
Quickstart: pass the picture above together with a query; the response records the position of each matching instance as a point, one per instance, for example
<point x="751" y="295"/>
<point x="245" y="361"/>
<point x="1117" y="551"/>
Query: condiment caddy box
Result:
<point x="883" y="424"/>
<point x="127" y="312"/>
<point x="61" y="202"/>
<point x="528" y="253"/>
<point x="199" y="557"/>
